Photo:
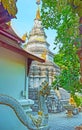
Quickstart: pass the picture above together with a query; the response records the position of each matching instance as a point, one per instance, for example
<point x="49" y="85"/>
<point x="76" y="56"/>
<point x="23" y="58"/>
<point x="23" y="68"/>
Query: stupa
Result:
<point x="38" y="46"/>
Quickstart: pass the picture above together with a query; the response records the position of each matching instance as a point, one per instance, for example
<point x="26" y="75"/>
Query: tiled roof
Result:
<point x="10" y="40"/>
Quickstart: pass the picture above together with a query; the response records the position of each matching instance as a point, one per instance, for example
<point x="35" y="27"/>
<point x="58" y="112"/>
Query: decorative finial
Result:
<point x="38" y="11"/>
<point x="38" y="2"/>
<point x="24" y="37"/>
<point x="9" y="23"/>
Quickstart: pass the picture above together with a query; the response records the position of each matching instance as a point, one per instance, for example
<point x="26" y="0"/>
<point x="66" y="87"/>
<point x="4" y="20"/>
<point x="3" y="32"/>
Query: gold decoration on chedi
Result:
<point x="40" y="39"/>
<point x="10" y="6"/>
<point x="43" y="55"/>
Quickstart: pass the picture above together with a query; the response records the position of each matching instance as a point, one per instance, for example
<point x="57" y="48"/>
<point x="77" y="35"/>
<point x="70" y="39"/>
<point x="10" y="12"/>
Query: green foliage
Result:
<point x="77" y="99"/>
<point x="61" y="15"/>
<point x="68" y="62"/>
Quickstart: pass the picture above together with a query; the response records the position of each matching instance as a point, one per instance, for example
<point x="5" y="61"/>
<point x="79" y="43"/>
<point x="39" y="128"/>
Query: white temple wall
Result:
<point x="12" y="73"/>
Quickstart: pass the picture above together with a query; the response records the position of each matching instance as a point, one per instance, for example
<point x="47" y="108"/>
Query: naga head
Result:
<point x="44" y="89"/>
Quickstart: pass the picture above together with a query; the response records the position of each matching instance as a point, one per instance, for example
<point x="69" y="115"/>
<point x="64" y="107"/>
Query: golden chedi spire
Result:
<point x="38" y="14"/>
<point x="38" y="11"/>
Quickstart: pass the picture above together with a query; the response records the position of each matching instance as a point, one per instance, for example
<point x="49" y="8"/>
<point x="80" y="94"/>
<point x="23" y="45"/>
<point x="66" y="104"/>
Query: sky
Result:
<point x="25" y="21"/>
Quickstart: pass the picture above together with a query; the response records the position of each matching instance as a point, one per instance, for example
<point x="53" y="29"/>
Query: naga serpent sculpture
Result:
<point x="19" y="111"/>
<point x="30" y="121"/>
<point x="41" y="120"/>
<point x="44" y="91"/>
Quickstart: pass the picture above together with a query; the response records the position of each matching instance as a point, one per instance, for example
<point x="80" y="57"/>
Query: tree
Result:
<point x="68" y="61"/>
<point x="63" y="17"/>
<point x="59" y="15"/>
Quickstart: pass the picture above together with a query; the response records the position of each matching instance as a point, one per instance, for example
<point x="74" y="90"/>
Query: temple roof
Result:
<point x="9" y="32"/>
<point x="6" y="12"/>
<point x="10" y="40"/>
<point x="20" y="51"/>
